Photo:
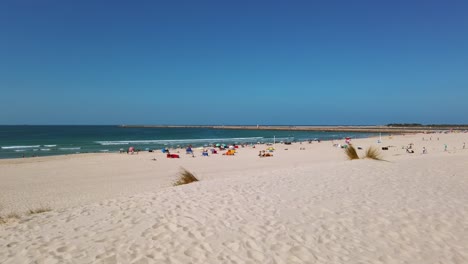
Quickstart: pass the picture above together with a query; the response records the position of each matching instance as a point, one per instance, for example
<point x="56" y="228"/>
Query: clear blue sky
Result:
<point x="233" y="62"/>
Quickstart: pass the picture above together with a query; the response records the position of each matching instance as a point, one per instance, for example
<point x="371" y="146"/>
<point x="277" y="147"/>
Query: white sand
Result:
<point x="300" y="206"/>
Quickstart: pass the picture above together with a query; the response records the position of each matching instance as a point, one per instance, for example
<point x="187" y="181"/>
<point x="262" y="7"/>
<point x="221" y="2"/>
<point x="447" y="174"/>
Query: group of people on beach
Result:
<point x="263" y="153"/>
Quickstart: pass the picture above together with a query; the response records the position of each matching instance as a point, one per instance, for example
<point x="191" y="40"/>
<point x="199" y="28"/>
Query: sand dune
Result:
<point x="299" y="206"/>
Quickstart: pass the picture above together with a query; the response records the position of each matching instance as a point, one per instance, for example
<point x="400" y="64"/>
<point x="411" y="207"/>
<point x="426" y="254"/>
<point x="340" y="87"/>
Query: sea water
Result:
<point x="29" y="141"/>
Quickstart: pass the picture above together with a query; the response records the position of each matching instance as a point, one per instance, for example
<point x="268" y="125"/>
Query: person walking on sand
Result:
<point x="463" y="145"/>
<point x="424" y="150"/>
<point x="445" y="147"/>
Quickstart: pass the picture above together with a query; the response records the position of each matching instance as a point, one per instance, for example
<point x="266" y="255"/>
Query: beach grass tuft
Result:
<point x="185" y="177"/>
<point x="373" y="153"/>
<point x="39" y="210"/>
<point x="8" y="218"/>
<point x="13" y="216"/>
<point x="351" y="152"/>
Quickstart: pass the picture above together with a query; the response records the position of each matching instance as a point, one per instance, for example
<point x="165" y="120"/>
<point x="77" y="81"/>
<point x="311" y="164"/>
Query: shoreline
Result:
<point x="182" y="148"/>
<point x="196" y="142"/>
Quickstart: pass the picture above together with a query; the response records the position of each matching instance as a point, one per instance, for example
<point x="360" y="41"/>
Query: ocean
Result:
<point x="29" y="141"/>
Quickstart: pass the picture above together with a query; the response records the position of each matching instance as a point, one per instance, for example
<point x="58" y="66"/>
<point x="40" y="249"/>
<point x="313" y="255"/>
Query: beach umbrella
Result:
<point x="218" y="145"/>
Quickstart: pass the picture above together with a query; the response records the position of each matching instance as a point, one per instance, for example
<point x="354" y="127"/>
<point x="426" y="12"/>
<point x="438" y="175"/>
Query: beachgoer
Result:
<point x="131" y="150"/>
<point x="189" y="150"/>
<point x="424" y="150"/>
<point x="463" y="145"/>
<point x="445" y="147"/>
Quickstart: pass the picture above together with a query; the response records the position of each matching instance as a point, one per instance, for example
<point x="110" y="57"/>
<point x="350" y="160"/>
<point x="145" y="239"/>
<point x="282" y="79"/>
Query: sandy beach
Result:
<point x="306" y="204"/>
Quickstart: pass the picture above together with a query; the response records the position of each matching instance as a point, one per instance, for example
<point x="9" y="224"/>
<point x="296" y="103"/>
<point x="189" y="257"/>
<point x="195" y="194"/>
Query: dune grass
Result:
<point x="4" y="219"/>
<point x="351" y="152"/>
<point x="13" y="216"/>
<point x="373" y="153"/>
<point x="8" y="218"/>
<point x="185" y="177"/>
<point x="38" y="210"/>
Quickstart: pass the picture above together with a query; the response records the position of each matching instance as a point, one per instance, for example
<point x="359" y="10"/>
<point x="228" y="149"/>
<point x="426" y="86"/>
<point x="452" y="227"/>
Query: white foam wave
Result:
<point x="75" y="148"/>
<point x="45" y="149"/>
<point x="50" y="146"/>
<point x="19" y="150"/>
<point x="278" y="139"/>
<point x="20" y="147"/>
<point x="108" y="143"/>
<point x="175" y="141"/>
<point x="104" y="150"/>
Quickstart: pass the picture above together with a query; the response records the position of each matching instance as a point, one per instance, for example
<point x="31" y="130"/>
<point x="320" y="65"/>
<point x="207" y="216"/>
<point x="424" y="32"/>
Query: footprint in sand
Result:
<point x="63" y="249"/>
<point x="234" y="246"/>
<point x="303" y="254"/>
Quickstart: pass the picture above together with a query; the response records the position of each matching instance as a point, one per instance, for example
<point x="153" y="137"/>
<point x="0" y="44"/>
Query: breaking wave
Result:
<point x="75" y="148"/>
<point x="178" y="141"/>
<point x="20" y="147"/>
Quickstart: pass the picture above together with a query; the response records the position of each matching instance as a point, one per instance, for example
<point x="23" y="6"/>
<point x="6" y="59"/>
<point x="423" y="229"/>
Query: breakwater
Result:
<point x="362" y="129"/>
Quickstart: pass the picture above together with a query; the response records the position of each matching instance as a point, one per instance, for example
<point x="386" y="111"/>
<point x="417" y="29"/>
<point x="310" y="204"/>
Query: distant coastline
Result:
<point x="400" y="129"/>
